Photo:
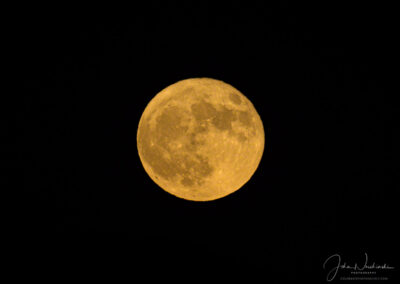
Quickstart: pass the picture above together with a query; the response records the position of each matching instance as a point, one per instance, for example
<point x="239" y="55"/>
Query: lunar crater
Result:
<point x="235" y="98"/>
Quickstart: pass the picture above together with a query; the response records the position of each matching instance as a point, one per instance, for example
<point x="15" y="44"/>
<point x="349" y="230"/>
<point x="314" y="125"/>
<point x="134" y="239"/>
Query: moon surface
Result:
<point x="200" y="139"/>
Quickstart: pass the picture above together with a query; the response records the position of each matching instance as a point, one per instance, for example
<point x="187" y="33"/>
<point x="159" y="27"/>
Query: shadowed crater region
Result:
<point x="171" y="162"/>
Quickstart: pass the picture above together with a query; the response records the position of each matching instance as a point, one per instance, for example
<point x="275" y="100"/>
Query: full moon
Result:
<point x="200" y="139"/>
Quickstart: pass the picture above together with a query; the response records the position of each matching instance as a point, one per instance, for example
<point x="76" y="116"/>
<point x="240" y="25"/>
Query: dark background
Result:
<point x="314" y="75"/>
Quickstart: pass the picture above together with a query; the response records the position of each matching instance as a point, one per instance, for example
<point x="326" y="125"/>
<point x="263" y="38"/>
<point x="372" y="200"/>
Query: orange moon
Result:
<point x="200" y="139"/>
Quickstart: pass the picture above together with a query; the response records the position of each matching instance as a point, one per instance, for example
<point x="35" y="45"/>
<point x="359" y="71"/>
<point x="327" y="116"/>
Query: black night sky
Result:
<point x="323" y="185"/>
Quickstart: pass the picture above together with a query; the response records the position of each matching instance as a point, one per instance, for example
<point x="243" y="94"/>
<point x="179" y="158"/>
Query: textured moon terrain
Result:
<point x="200" y="139"/>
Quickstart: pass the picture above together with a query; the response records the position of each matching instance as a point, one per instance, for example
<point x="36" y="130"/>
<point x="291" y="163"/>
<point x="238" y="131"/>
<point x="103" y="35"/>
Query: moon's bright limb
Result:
<point x="200" y="139"/>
